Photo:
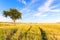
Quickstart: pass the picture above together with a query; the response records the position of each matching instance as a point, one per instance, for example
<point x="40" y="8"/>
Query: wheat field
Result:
<point x="29" y="31"/>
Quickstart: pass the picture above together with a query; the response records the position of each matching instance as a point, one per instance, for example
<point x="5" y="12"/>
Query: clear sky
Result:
<point x="32" y="10"/>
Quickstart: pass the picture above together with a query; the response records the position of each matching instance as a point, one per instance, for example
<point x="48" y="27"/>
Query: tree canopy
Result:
<point x="13" y="14"/>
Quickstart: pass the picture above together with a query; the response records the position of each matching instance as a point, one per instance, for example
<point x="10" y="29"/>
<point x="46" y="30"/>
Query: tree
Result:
<point x="14" y="14"/>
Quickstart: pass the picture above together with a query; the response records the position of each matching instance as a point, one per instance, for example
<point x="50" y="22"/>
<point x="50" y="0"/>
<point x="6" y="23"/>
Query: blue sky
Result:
<point x="32" y="10"/>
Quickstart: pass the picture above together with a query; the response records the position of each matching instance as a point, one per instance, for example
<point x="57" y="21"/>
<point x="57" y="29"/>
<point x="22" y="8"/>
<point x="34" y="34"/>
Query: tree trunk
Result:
<point x="14" y="22"/>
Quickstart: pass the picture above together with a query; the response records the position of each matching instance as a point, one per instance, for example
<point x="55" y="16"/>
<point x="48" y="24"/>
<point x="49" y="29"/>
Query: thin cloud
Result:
<point x="37" y="14"/>
<point x="44" y="8"/>
<point x="44" y="15"/>
<point x="55" y="10"/>
<point x="29" y="5"/>
<point x="23" y="1"/>
<point x="40" y="14"/>
<point x="42" y="11"/>
<point x="47" y="8"/>
<point x="48" y="3"/>
<point x="55" y="6"/>
<point x="3" y="19"/>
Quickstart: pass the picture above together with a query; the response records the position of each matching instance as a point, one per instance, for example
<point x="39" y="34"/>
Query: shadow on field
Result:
<point x="9" y="33"/>
<point x="43" y="34"/>
<point x="23" y="35"/>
